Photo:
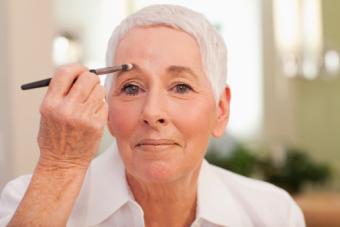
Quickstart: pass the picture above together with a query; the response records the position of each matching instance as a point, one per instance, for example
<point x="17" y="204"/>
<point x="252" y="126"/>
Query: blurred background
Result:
<point x="284" y="73"/>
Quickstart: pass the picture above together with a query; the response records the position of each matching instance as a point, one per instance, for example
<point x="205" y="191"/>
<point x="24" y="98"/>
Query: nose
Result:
<point x="153" y="113"/>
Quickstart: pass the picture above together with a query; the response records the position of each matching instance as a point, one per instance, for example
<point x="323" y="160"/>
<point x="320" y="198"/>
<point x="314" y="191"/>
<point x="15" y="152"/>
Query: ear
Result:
<point x="222" y="113"/>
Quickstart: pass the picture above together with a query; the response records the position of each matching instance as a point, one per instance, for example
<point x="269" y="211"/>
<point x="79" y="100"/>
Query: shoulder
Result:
<point x="246" y="184"/>
<point x="11" y="196"/>
<point x="261" y="200"/>
<point x="15" y="188"/>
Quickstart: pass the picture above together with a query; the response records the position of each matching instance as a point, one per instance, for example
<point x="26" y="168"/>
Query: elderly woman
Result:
<point x="161" y="113"/>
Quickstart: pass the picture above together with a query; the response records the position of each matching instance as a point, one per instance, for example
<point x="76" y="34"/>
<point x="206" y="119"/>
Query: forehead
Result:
<point x="159" y="46"/>
<point x="157" y="35"/>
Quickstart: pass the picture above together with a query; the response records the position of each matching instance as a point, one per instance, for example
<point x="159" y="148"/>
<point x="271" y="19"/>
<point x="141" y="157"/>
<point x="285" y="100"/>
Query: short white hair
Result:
<point x="212" y="47"/>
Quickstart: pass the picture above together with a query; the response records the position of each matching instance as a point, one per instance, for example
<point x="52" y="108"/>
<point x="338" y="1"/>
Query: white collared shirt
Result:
<point x="224" y="199"/>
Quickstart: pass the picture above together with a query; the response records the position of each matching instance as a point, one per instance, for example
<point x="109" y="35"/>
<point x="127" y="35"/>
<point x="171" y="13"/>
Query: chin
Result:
<point x="159" y="172"/>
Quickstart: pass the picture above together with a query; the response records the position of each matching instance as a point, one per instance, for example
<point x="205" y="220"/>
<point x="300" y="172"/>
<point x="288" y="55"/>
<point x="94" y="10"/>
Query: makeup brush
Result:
<point x="100" y="71"/>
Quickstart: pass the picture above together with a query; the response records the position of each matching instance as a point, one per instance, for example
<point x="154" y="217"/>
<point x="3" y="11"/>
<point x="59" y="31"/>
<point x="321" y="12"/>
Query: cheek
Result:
<point x="197" y="115"/>
<point x="194" y="120"/>
<point x="123" y="118"/>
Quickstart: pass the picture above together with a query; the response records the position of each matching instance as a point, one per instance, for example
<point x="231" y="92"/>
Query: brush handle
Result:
<point x="100" y="71"/>
<point x="36" y="84"/>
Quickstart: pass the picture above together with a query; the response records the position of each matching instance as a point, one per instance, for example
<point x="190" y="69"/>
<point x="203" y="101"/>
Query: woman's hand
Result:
<point x="73" y="115"/>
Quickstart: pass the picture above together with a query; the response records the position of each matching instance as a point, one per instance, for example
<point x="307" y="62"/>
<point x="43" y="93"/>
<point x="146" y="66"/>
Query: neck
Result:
<point x="167" y="203"/>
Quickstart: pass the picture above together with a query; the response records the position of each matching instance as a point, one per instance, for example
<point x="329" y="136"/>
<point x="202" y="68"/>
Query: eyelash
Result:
<point x="187" y="87"/>
<point x="178" y="88"/>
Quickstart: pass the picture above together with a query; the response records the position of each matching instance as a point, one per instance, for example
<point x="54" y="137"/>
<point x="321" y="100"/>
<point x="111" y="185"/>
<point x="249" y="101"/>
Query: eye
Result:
<point x="182" y="88"/>
<point x="130" y="89"/>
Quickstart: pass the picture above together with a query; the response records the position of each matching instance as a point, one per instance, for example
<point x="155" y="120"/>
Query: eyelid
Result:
<point x="185" y="84"/>
<point x="182" y="83"/>
<point x="132" y="81"/>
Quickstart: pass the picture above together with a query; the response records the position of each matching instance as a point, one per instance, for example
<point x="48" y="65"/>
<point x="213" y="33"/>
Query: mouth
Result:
<point x="156" y="143"/>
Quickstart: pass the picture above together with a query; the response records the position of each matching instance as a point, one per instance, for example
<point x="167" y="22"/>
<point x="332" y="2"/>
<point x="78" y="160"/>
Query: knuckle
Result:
<point x="88" y="78"/>
<point x="92" y="79"/>
<point x="46" y="108"/>
<point x="65" y="113"/>
<point x="82" y="78"/>
<point x="91" y="122"/>
<point x="62" y="70"/>
<point x="97" y="128"/>
<point x="89" y="125"/>
<point x="99" y="93"/>
<point x="93" y="128"/>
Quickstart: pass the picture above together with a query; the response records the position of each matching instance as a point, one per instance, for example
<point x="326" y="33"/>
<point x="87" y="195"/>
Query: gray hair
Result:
<point x="211" y="44"/>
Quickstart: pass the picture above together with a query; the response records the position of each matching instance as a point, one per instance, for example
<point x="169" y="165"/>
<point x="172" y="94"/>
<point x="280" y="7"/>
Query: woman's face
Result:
<point x="163" y="111"/>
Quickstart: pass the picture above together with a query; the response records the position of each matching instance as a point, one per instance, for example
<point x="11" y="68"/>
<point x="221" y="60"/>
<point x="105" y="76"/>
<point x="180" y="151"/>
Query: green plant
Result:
<point x="292" y="174"/>
<point x="297" y="170"/>
<point x="240" y="160"/>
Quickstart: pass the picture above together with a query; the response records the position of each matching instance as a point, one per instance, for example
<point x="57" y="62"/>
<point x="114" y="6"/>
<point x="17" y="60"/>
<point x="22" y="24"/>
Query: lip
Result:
<point x="156" y="142"/>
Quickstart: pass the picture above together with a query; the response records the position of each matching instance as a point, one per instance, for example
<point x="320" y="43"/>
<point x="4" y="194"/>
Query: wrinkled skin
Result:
<point x="72" y="117"/>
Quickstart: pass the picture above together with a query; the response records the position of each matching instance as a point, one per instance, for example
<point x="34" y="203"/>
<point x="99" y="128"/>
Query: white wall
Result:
<point x="27" y="29"/>
<point x="4" y="99"/>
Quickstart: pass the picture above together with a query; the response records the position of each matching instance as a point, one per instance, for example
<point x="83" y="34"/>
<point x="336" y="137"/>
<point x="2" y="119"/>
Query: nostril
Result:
<point x="159" y="121"/>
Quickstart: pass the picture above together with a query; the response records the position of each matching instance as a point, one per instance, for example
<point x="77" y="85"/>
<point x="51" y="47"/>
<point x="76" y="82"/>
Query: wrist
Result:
<point x="51" y="194"/>
<point x="50" y="161"/>
<point x="61" y="167"/>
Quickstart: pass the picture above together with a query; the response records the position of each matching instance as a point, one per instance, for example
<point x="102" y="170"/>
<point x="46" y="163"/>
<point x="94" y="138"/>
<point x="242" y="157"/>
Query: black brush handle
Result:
<point x="100" y="71"/>
<point x="36" y="84"/>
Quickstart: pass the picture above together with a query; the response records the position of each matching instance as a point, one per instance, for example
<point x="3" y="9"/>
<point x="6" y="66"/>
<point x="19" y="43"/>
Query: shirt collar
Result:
<point x="215" y="202"/>
<point x="106" y="190"/>
<point x="107" y="186"/>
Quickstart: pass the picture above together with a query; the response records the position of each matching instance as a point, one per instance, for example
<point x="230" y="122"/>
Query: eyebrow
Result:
<point x="174" y="69"/>
<point x="134" y="68"/>
<point x="181" y="69"/>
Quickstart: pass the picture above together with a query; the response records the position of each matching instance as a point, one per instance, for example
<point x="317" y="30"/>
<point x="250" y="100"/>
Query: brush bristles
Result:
<point x="127" y="67"/>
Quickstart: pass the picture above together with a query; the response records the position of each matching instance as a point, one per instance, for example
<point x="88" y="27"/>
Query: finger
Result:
<point x="101" y="116"/>
<point x="95" y="99"/>
<point x="103" y="112"/>
<point x="63" y="79"/>
<point x="83" y="87"/>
